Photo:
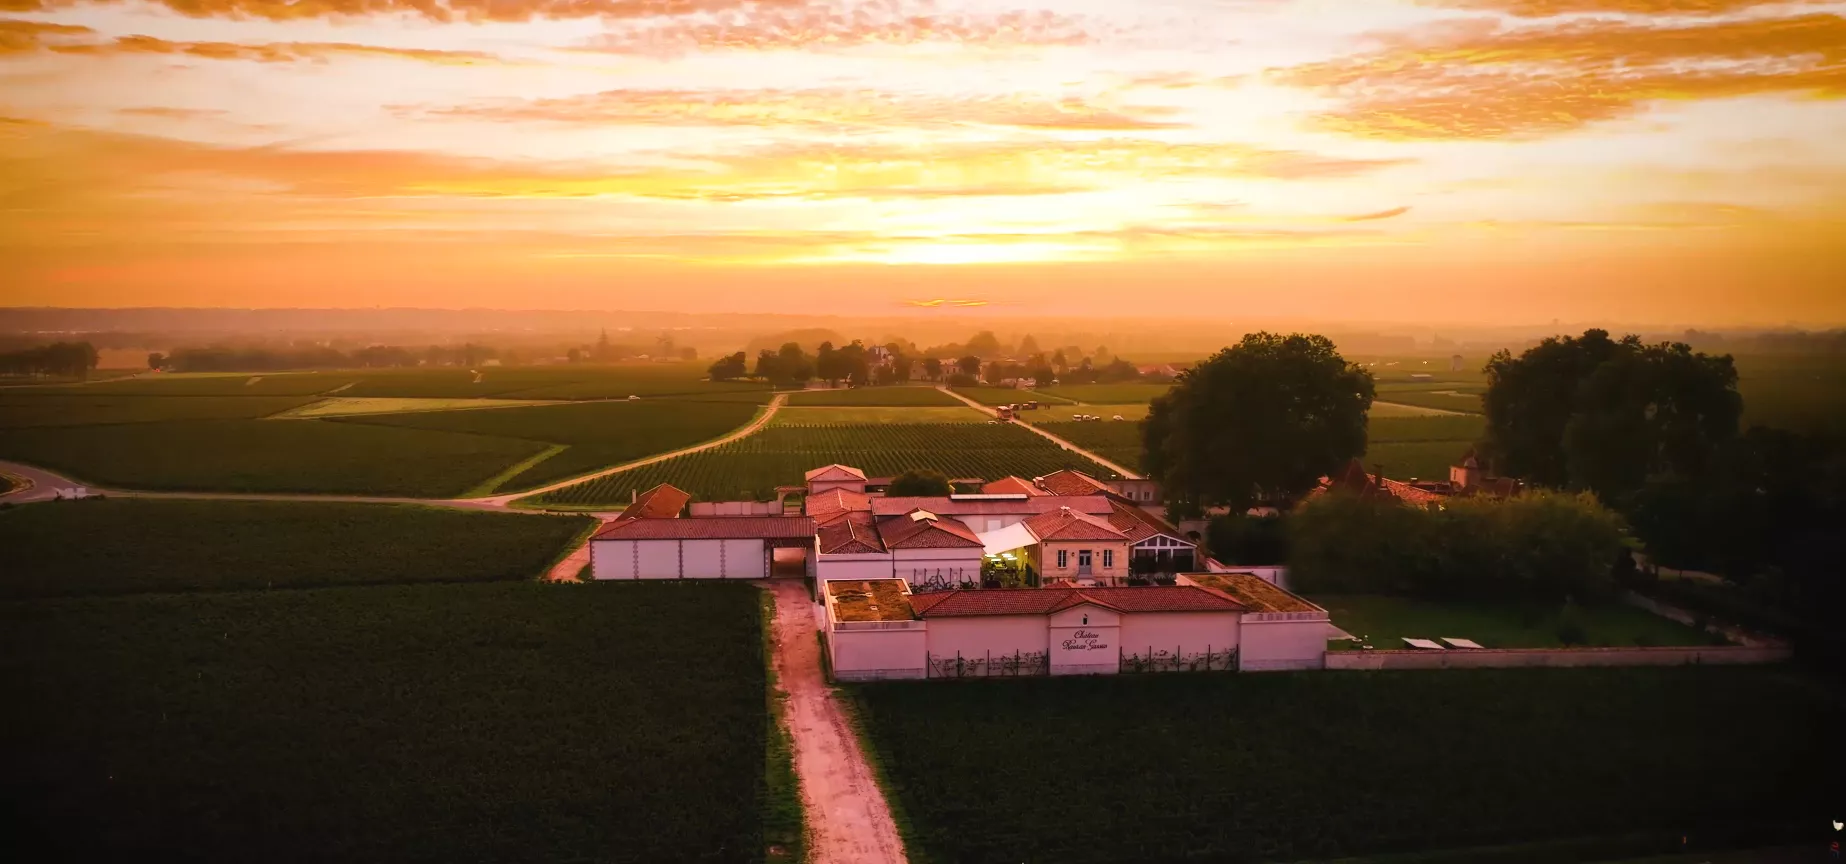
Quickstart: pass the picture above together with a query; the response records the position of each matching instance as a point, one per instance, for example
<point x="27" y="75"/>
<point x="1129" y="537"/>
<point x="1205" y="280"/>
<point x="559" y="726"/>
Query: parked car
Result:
<point x="1117" y="417"/>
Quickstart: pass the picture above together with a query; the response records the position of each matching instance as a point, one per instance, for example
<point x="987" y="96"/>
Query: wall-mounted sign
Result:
<point x="1084" y="640"/>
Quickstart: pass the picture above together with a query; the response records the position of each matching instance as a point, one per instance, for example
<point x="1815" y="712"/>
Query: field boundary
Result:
<point x="785" y="817"/>
<point x="754" y="426"/>
<point x="1428" y="411"/>
<point x="1509" y="658"/>
<point x="1124" y="472"/>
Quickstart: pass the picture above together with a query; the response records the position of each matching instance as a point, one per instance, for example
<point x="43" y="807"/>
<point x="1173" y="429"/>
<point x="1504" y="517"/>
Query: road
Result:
<point x="42" y="482"/>
<point x="1124" y="472"/>
<point x="848" y="819"/>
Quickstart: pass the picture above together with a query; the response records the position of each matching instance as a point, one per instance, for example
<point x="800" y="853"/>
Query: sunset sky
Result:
<point x="1487" y="161"/>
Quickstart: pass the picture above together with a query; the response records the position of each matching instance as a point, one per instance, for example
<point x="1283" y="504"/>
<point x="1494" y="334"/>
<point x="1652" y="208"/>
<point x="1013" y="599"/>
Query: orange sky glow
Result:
<point x="1490" y="161"/>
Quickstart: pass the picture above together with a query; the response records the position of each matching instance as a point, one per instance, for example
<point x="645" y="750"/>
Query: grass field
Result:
<point x="1117" y="442"/>
<point x="1384" y="622"/>
<point x="1441" y="398"/>
<point x="870" y="396"/>
<point x="268" y="456"/>
<point x="1806" y="393"/>
<point x="100" y="408"/>
<point x="454" y="723"/>
<point x="753" y="466"/>
<point x="1109" y="394"/>
<point x="1421" y="447"/>
<point x="805" y="416"/>
<point x="1008" y="396"/>
<point x="596" y="434"/>
<point x="1294" y="766"/>
<point x="121" y="546"/>
<point x="1391" y="410"/>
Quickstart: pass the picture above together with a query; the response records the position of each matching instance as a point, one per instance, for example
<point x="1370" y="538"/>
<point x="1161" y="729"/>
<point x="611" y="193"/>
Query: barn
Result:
<point x="713" y="547"/>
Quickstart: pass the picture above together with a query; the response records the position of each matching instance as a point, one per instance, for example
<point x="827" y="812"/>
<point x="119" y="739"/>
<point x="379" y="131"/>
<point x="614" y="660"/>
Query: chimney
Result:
<point x="1378" y="475"/>
<point x="634" y="495"/>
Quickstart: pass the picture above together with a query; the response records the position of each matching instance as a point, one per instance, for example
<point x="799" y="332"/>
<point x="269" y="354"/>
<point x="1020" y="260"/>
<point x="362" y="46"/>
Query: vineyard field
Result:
<point x="1444" y="398"/>
<point x="753" y="466"/>
<point x="97" y="408"/>
<point x="873" y="396"/>
<point x="805" y="416"/>
<point x="1118" y="442"/>
<point x="1314" y="765"/>
<point x="597" y="434"/>
<point x="203" y="384"/>
<point x="312" y="456"/>
<point x="1008" y="396"/>
<point x="127" y="546"/>
<point x="1109" y="394"/>
<point x="453" y="722"/>
<point x="1063" y="413"/>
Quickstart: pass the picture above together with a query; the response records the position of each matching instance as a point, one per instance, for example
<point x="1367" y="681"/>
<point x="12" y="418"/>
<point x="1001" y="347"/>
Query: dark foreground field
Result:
<point x="127" y="546"/>
<point x="1282" y="767"/>
<point x="441" y="723"/>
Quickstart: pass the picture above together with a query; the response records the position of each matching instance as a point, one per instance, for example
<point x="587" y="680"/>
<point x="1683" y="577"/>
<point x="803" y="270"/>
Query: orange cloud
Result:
<point x="815" y="26"/>
<point x="1481" y="81"/>
<point x="1382" y="214"/>
<point x="18" y="37"/>
<point x="26" y="36"/>
<point x="433" y="10"/>
<point x="1553" y="8"/>
<point x="836" y="109"/>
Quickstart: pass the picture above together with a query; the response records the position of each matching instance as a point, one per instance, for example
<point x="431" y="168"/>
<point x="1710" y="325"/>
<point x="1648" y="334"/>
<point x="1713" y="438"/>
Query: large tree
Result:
<point x="1261" y="421"/>
<point x="1594" y="413"/>
<point x="918" y="483"/>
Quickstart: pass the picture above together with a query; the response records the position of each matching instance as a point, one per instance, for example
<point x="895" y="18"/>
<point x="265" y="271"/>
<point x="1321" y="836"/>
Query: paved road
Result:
<point x="1054" y="439"/>
<point x="40" y="485"/>
<point x="848" y="819"/>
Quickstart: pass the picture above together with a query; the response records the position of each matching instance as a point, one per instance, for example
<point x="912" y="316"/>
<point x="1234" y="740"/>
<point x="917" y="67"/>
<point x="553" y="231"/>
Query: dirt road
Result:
<point x="1124" y="472"/>
<point x="848" y="820"/>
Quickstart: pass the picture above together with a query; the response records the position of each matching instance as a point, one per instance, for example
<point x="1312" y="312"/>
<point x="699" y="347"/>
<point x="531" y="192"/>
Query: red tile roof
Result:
<point x="1068" y="482"/>
<point x="709" y="528"/>
<point x="1010" y="485"/>
<point x="835" y="471"/>
<point x="922" y="530"/>
<point x="1044" y="601"/>
<point x="1354" y="479"/>
<point x="1068" y="524"/>
<point x="1093" y="504"/>
<point x="827" y="506"/>
<point x="1139" y="524"/>
<point x="660" y="502"/>
<point x="850" y="534"/>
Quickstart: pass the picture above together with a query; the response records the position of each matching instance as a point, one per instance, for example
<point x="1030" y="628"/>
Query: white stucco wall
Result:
<point x="828" y="568"/>
<point x="701" y="559"/>
<point x="1282" y="644"/>
<point x="982" y="635"/>
<point x="1188" y="633"/>
<point x="612" y="559"/>
<point x="872" y="655"/>
<point x="818" y="486"/>
<point x="659" y="559"/>
<point x="745" y="559"/>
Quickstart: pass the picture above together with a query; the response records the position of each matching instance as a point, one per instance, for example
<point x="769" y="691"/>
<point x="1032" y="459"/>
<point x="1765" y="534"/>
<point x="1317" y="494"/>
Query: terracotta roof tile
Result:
<point x="1096" y="505"/>
<point x="661" y="502"/>
<point x="826" y="506"/>
<point x="835" y="471"/>
<point x="1068" y="524"/>
<point x="851" y="533"/>
<point x="1010" y="485"/>
<point x="1139" y="524"/>
<point x="1068" y="482"/>
<point x="1354" y="479"/>
<point x="709" y="528"/>
<point x="932" y="532"/>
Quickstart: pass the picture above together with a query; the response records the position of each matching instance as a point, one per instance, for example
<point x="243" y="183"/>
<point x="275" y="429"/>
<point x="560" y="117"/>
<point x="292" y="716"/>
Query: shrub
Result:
<point x="1570" y="626"/>
<point x="1251" y="540"/>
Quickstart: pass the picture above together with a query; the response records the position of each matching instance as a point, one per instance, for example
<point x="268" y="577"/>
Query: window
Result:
<point x="1108" y="557"/>
<point x="1063" y="561"/>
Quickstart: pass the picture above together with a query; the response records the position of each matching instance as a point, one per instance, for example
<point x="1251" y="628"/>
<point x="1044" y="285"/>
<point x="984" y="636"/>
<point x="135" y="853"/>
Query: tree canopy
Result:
<point x="919" y="482"/>
<point x="1594" y="413"/>
<point x="1263" y="420"/>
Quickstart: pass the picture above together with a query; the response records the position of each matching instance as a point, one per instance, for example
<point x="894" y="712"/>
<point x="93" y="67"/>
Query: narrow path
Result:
<point x="1061" y="442"/>
<point x="569" y="566"/>
<point x="1427" y="410"/>
<point x="775" y="404"/>
<point x="848" y="819"/>
<point x="42" y="483"/>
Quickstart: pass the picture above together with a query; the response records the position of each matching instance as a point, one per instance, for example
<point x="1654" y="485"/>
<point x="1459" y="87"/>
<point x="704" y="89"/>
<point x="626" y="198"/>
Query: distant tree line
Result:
<point x="604" y="351"/>
<point x="981" y="358"/>
<point x="237" y="359"/>
<point x="64" y="359"/>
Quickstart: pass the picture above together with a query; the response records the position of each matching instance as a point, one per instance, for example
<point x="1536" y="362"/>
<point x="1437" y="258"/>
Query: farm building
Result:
<point x="712" y="547"/>
<point x="879" y="629"/>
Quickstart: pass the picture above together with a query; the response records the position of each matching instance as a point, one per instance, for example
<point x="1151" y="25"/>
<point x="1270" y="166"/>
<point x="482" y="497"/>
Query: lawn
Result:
<point x="313" y="456"/>
<point x="1293" y="766"/>
<point x="1009" y="396"/>
<point x="453" y="723"/>
<point x="753" y="466"/>
<point x="908" y="396"/>
<point x="124" y="546"/>
<point x="596" y="434"/>
<point x="1385" y="621"/>
<point x="804" y="416"/>
<point x="1109" y="394"/>
<point x="102" y="408"/>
